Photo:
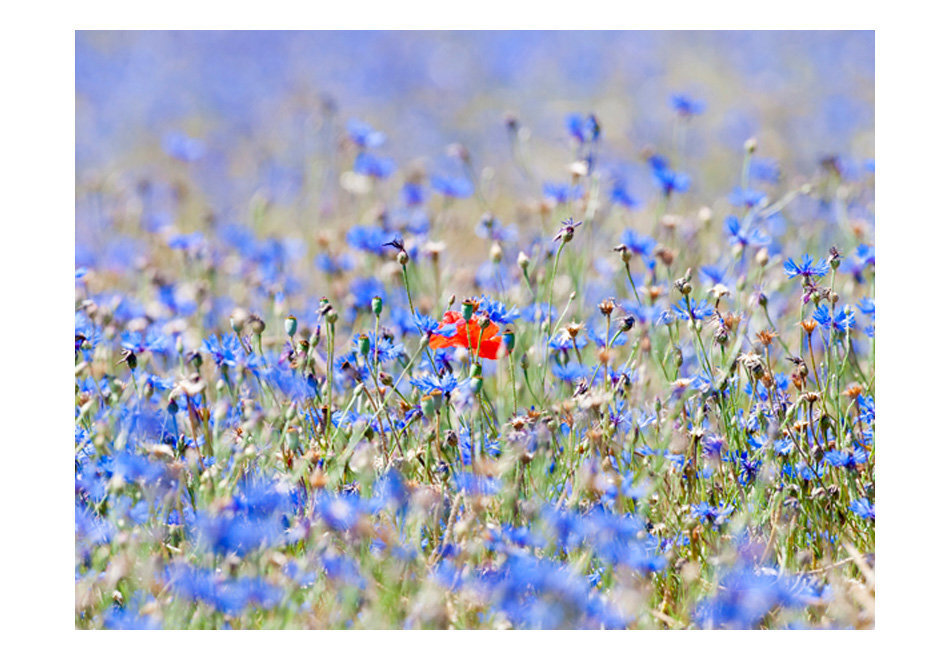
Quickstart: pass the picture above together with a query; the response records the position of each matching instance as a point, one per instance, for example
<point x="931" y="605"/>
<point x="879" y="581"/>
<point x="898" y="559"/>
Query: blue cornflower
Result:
<point x="665" y="317"/>
<point x="863" y="508"/>
<point x="620" y="195"/>
<point x="128" y="619"/>
<point x="562" y="193"/>
<point x="497" y="311"/>
<point x="708" y="513"/>
<point x="697" y="310"/>
<point x="472" y="484"/>
<point x="808" y="268"/>
<point x="364" y="289"/>
<point x="864" y="254"/>
<point x="686" y="106"/>
<point x="152" y="340"/>
<point x="333" y="265"/>
<point x="184" y="148"/>
<point x="746" y="595"/>
<point x="426" y="324"/>
<point x="428" y="383"/>
<point x="363" y="135"/>
<point x="637" y="244"/>
<point x="489" y="226"/>
<point x="413" y="194"/>
<point x="665" y="178"/>
<point x="744" y="237"/>
<point x="186" y="242"/>
<point x="562" y="341"/>
<point x="458" y="187"/>
<point x="224" y="350"/>
<point x="712" y="274"/>
<point x="837" y="458"/>
<point x="344" y="569"/>
<point x="746" y="197"/>
<point x="842" y="321"/>
<point x="764" y="169"/>
<point x="570" y="372"/>
<point x="378" y="167"/>
<point x="583" y="129"/>
<point x="368" y="238"/>
<point x="382" y="349"/>
<point x="341" y="512"/>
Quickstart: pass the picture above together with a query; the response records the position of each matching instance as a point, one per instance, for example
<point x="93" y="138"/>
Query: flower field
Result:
<point x="475" y="330"/>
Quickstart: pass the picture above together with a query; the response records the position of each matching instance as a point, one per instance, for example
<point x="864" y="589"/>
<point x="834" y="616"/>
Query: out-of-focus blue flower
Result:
<point x="640" y="245"/>
<point x="708" y="513"/>
<point x="378" y="167"/>
<point x="746" y="197"/>
<point x="562" y="193"/>
<point x="457" y="187"/>
<point x="363" y="135"/>
<point x="364" y="289"/>
<point x="368" y="238"/>
<point x="842" y="321"/>
<point x="570" y="372"/>
<point x="413" y="194"/>
<point x="746" y="595"/>
<point x="582" y="128"/>
<point x="744" y="237"/>
<point x="864" y="508"/>
<point x="668" y="180"/>
<point x="764" y="169"/>
<point x="686" y="106"/>
<point x="184" y="148"/>
<point x="223" y="350"/>
<point x="620" y="195"/>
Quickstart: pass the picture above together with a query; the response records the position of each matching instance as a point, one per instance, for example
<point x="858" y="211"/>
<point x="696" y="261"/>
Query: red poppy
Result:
<point x="467" y="336"/>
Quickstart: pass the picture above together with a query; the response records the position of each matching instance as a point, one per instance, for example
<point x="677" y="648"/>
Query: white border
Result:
<point x="38" y="113"/>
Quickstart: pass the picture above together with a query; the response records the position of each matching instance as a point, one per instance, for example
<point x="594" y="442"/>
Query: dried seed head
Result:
<point x="607" y="306"/>
<point x="256" y="324"/>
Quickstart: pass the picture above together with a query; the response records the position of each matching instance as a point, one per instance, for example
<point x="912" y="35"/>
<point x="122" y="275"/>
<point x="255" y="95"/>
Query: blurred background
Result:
<point x="184" y="132"/>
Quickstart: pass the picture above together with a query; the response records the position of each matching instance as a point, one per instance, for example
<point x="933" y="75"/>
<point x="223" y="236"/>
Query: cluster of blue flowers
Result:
<point x="474" y="389"/>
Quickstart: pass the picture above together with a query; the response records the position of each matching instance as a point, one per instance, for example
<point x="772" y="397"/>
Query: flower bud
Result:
<point x="377" y="305"/>
<point x="509" y="338"/>
<point x="495" y="253"/>
<point x="239" y="318"/>
<point x="523" y="261"/>
<point x="402" y="258"/>
<point x="290" y="325"/>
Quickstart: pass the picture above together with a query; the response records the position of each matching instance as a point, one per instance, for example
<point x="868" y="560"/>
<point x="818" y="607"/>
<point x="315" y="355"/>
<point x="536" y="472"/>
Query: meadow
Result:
<point x="494" y="330"/>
